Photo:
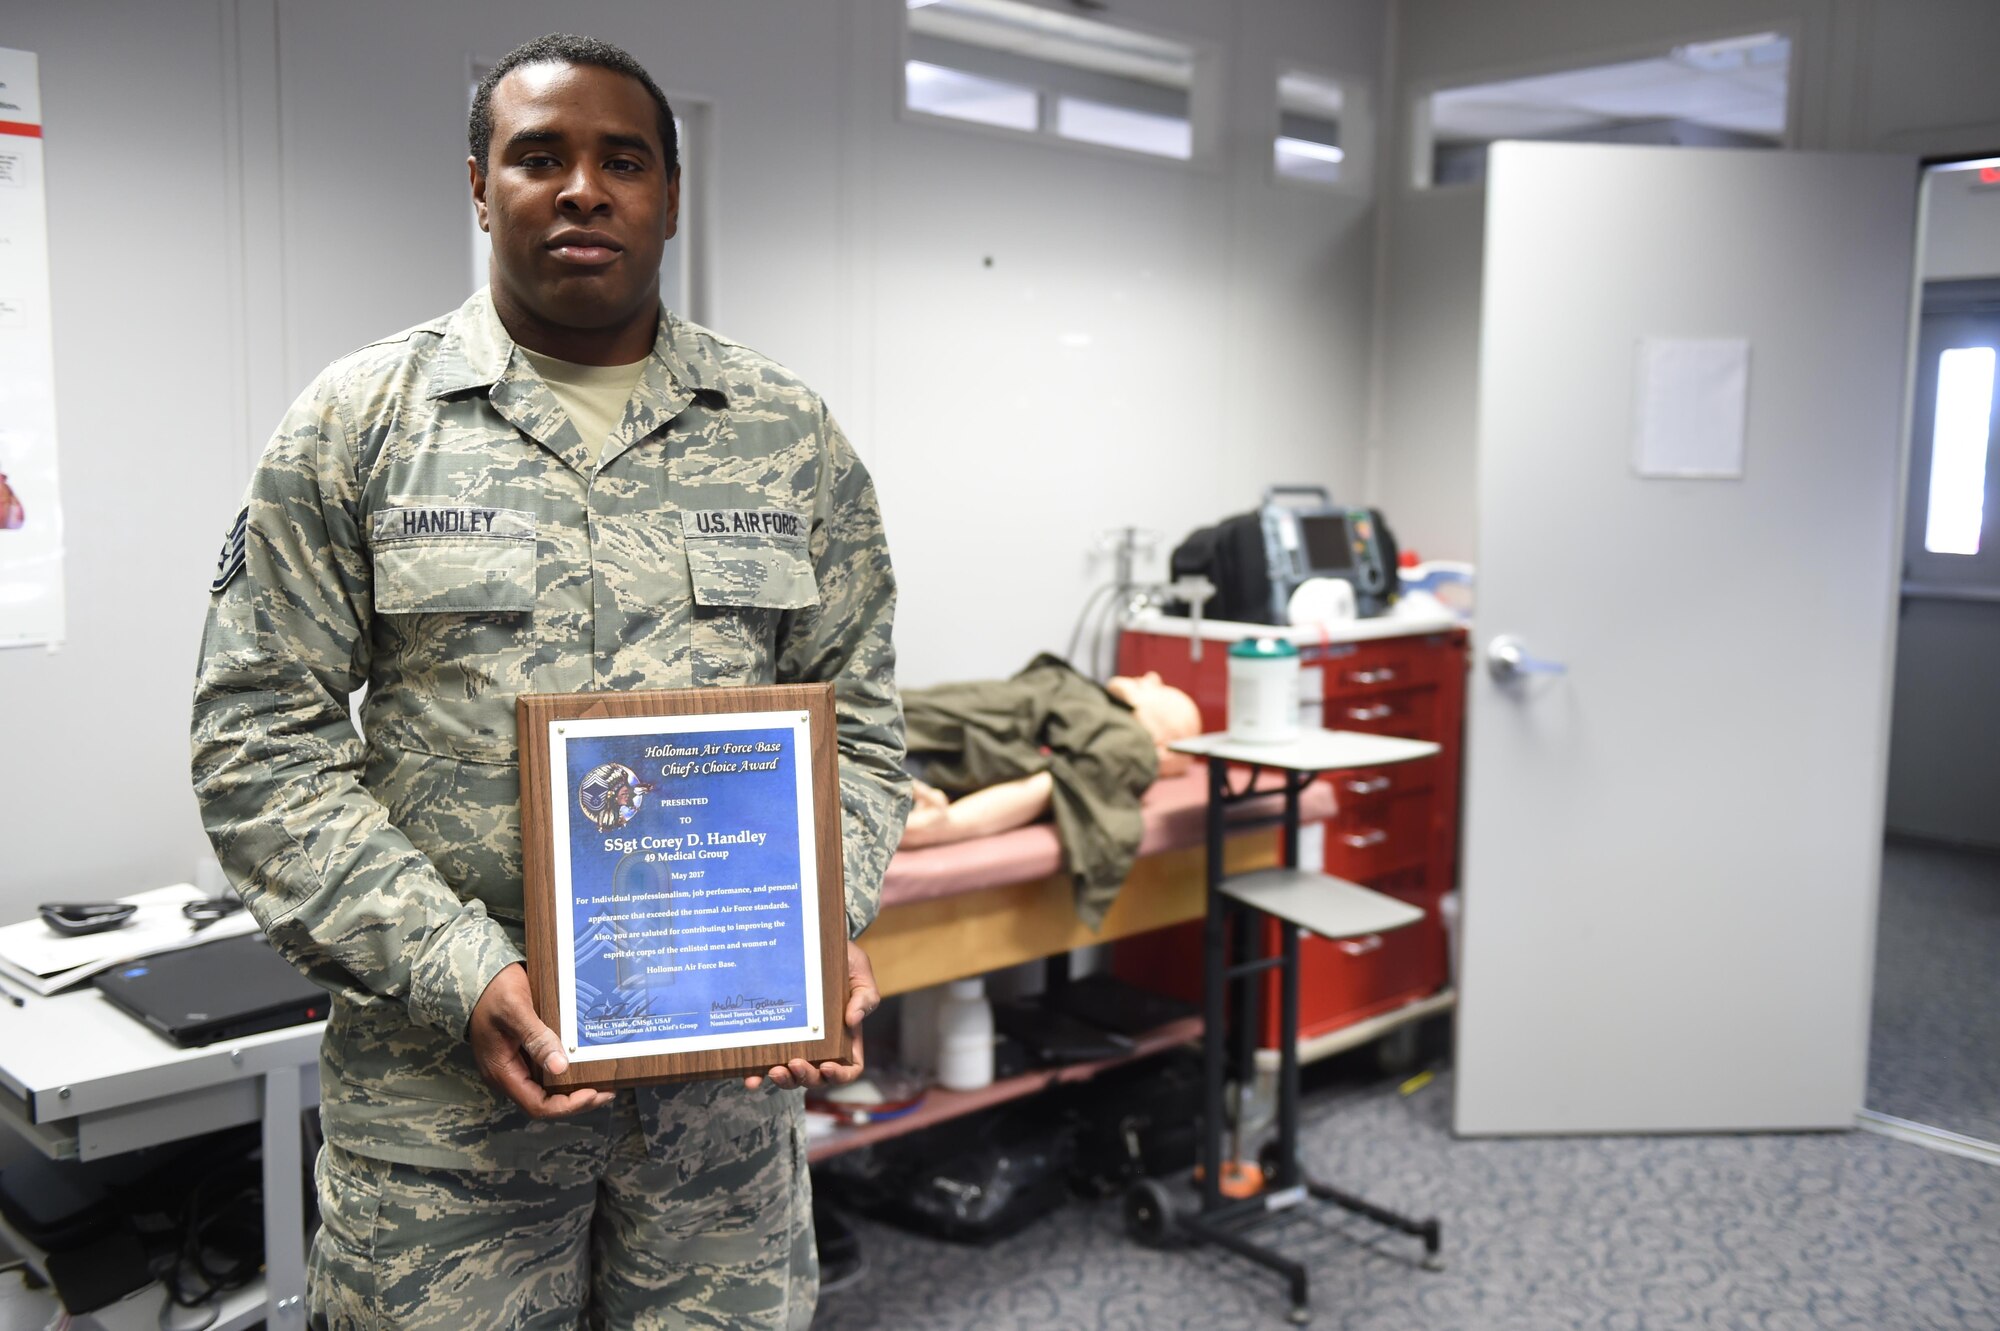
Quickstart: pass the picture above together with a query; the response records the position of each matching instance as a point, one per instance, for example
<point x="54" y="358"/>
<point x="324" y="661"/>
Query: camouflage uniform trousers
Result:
<point x="691" y="1208"/>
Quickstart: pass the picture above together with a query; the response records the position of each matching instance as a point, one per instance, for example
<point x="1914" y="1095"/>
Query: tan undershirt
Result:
<point x="592" y="396"/>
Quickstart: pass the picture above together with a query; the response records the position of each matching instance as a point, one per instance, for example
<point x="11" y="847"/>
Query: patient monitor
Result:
<point x="1257" y="560"/>
<point x="1306" y="536"/>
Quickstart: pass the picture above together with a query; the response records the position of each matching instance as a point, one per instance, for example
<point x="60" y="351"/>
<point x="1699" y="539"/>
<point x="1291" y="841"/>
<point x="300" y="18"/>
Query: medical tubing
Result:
<point x="1083" y="617"/>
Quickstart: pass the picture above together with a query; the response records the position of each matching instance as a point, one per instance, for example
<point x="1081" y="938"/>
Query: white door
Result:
<point x="1672" y="849"/>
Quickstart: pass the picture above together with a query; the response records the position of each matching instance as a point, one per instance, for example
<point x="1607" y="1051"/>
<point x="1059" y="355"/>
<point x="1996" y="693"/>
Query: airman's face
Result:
<point x="576" y="195"/>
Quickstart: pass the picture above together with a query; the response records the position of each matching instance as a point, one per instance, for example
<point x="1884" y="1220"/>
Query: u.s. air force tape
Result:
<point x="230" y="562"/>
<point x="744" y="522"/>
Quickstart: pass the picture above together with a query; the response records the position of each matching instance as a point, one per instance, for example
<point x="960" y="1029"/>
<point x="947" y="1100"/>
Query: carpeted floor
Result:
<point x="1775" y="1233"/>
<point x="1934" y="1055"/>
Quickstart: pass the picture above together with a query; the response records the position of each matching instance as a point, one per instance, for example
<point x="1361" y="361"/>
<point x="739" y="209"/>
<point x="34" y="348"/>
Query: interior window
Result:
<point x="1122" y="127"/>
<point x="1018" y="66"/>
<point x="1312" y="112"/>
<point x="941" y="91"/>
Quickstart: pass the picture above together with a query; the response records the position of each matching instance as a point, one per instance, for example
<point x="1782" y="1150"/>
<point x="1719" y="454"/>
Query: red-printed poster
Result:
<point x="31" y="532"/>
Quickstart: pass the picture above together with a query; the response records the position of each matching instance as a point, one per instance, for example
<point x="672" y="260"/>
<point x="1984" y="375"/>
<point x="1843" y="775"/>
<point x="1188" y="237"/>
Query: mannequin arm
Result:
<point x="998" y="808"/>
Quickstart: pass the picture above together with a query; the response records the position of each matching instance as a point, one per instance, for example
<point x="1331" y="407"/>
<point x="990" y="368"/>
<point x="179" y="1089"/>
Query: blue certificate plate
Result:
<point x="684" y="898"/>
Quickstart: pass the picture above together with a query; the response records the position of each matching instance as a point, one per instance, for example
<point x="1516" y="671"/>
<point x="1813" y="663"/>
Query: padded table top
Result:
<point x="1175" y="809"/>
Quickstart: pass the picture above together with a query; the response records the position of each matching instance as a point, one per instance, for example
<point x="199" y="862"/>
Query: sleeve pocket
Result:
<point x="474" y="574"/>
<point x="743" y="571"/>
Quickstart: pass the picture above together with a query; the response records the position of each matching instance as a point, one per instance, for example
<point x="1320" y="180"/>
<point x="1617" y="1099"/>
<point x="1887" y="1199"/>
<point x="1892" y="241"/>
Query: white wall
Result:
<point x="1151" y="344"/>
<point x="241" y="190"/>
<point x="150" y="409"/>
<point x="1911" y="76"/>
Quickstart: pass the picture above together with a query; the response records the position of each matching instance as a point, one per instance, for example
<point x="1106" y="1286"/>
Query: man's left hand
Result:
<point x="862" y="999"/>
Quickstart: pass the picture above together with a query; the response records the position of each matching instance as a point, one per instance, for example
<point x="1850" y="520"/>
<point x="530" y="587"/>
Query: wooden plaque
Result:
<point x="686" y="910"/>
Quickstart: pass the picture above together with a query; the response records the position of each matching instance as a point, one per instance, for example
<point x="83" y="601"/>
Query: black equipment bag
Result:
<point x="1231" y="555"/>
<point x="976" y="1179"/>
<point x="1141" y="1121"/>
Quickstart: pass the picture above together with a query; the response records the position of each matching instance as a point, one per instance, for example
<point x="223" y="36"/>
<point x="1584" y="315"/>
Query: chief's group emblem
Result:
<point x="610" y="795"/>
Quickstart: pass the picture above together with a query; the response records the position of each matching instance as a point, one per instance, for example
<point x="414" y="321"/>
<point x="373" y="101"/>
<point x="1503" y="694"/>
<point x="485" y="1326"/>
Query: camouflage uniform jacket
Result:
<point x="1048" y="718"/>
<point x="428" y="524"/>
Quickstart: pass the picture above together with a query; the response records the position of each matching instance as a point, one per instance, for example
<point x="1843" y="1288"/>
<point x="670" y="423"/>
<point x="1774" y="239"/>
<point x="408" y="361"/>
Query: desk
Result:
<point x="81" y="1080"/>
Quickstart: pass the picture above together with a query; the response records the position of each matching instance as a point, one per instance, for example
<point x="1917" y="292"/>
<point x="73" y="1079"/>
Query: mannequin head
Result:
<point x="1168" y="715"/>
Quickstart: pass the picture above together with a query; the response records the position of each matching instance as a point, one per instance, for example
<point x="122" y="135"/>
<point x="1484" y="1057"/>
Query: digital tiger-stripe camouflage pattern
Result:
<point x="428" y="524"/>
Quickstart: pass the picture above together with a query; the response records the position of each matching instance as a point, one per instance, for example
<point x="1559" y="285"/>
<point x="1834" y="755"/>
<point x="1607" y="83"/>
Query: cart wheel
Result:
<point x="1269" y="1159"/>
<point x="1149" y="1213"/>
<point x="1396" y="1052"/>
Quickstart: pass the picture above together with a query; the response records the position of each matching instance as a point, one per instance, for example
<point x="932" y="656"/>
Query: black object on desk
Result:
<point x="73" y="919"/>
<point x="207" y="911"/>
<point x="216" y="991"/>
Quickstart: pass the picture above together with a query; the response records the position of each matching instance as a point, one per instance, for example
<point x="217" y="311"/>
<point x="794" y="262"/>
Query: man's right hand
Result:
<point x="510" y="1043"/>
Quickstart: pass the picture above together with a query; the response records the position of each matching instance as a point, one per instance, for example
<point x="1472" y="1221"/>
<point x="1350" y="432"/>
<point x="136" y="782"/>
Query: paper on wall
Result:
<point x="31" y="525"/>
<point x="1691" y="399"/>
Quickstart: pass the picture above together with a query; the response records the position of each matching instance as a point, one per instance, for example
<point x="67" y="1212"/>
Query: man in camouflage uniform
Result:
<point x="430" y="524"/>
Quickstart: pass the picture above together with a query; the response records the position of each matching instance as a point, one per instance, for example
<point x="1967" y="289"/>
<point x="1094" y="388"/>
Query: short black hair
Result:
<point x="562" y="48"/>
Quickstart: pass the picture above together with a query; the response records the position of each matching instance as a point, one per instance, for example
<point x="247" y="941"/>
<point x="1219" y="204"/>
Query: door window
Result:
<point x="1961" y="432"/>
<point x="1950" y="546"/>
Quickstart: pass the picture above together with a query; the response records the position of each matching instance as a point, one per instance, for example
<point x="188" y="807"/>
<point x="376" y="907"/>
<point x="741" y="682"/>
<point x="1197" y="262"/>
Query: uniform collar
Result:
<point x="478" y="353"/>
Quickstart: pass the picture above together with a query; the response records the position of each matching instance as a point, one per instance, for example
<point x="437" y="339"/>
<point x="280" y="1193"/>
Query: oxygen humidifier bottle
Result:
<point x="965" y="1037"/>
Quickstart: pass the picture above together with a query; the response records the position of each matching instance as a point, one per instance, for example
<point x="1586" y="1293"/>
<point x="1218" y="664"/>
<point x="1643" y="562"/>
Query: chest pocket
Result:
<point x="748" y="559"/>
<point x="453" y="559"/>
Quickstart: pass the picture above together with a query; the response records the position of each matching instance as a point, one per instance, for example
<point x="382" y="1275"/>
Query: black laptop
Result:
<point x="216" y="991"/>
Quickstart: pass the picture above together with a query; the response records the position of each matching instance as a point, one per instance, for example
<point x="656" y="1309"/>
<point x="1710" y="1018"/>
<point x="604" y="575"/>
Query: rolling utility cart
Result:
<point x="1240" y="909"/>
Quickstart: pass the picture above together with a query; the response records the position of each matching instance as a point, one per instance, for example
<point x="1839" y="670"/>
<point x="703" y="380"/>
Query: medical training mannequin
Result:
<point x="1167" y="714"/>
<point x="997" y="754"/>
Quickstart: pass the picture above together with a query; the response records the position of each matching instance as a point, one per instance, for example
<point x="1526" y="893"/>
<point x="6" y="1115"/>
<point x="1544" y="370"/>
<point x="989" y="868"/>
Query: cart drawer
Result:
<point x="1407" y="713"/>
<point x="1380" y="834"/>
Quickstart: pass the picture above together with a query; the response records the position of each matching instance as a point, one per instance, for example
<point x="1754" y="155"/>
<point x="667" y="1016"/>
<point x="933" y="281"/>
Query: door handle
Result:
<point x="1372" y="786"/>
<point x="1380" y="711"/>
<point x="1374" y="836"/>
<point x="1360" y="947"/>
<point x="1507" y="659"/>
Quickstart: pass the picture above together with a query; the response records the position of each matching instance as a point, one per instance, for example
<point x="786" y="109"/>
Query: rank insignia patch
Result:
<point x="230" y="562"/>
